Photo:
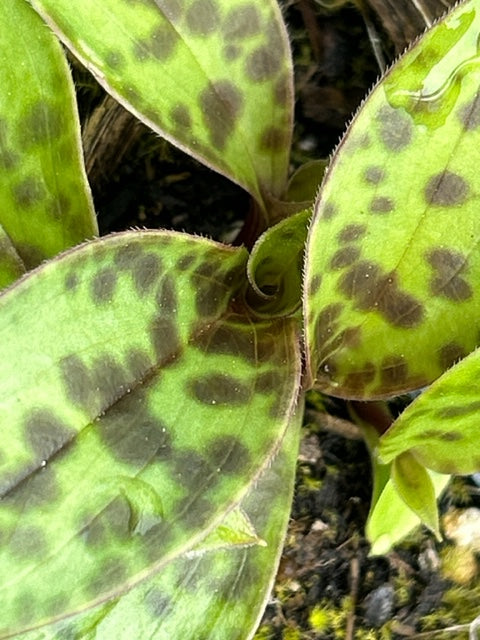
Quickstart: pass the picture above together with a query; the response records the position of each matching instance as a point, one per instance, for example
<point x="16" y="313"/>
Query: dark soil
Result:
<point x="328" y="587"/>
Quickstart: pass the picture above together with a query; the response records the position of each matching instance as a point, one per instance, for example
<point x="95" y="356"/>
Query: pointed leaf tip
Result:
<point x="415" y="487"/>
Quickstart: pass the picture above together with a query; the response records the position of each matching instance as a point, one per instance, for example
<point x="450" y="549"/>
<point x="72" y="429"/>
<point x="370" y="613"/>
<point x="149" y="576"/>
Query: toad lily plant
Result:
<point x="151" y="381"/>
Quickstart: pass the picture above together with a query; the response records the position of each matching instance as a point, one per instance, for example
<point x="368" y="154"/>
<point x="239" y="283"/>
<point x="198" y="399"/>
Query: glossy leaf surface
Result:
<point x="440" y="428"/>
<point x="45" y="204"/>
<point x="212" y="76"/>
<point x="135" y="424"/>
<point x="392" y="259"/>
<point x="223" y="591"/>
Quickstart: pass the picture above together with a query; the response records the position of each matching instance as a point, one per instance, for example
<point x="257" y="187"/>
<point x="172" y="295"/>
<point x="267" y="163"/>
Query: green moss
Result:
<point x="319" y="619"/>
<point x="265" y="632"/>
<point x="458" y="608"/>
<point x="458" y="492"/>
<point x="333" y="470"/>
<point x="459" y="564"/>
<point x="307" y="481"/>
<point x="402" y="584"/>
<point x="339" y="621"/>
<point x="368" y="634"/>
<point x="328" y="621"/>
<point x="291" y="633"/>
<point x="316" y="400"/>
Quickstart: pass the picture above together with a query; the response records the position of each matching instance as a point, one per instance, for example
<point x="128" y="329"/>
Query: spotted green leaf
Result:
<point x="11" y="265"/>
<point x="138" y="408"/>
<point x="392" y="259"/>
<point x="222" y="591"/>
<point x="45" y="204"/>
<point x="440" y="428"/>
<point x="275" y="266"/>
<point x="212" y="76"/>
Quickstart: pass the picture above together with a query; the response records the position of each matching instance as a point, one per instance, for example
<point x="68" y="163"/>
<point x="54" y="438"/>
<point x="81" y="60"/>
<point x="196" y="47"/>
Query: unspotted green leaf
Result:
<point x="390" y="519"/>
<point x="414" y="486"/>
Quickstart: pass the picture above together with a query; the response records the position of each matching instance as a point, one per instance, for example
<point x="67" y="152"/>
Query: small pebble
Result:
<point x="310" y="450"/>
<point x="319" y="525"/>
<point x="309" y="143"/>
<point x="476" y="478"/>
<point x="379" y="605"/>
<point x="463" y="527"/>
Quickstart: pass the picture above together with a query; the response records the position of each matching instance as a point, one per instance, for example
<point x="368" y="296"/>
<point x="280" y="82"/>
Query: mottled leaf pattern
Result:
<point x="11" y="265"/>
<point x="440" y="428"/>
<point x="275" y="267"/>
<point x="212" y="76"/>
<point x="45" y="204"/>
<point x="148" y="457"/>
<point x="391" y="295"/>
<point x="221" y="591"/>
<point x="141" y="409"/>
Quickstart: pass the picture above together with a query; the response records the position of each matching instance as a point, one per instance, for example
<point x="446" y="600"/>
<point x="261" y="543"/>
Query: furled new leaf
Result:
<point x="303" y="184"/>
<point x="138" y="408"/>
<point x="223" y="591"/>
<point x="275" y="266"/>
<point x="440" y="428"/>
<point x="391" y="295"/>
<point x="212" y="76"/>
<point x="45" y="204"/>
